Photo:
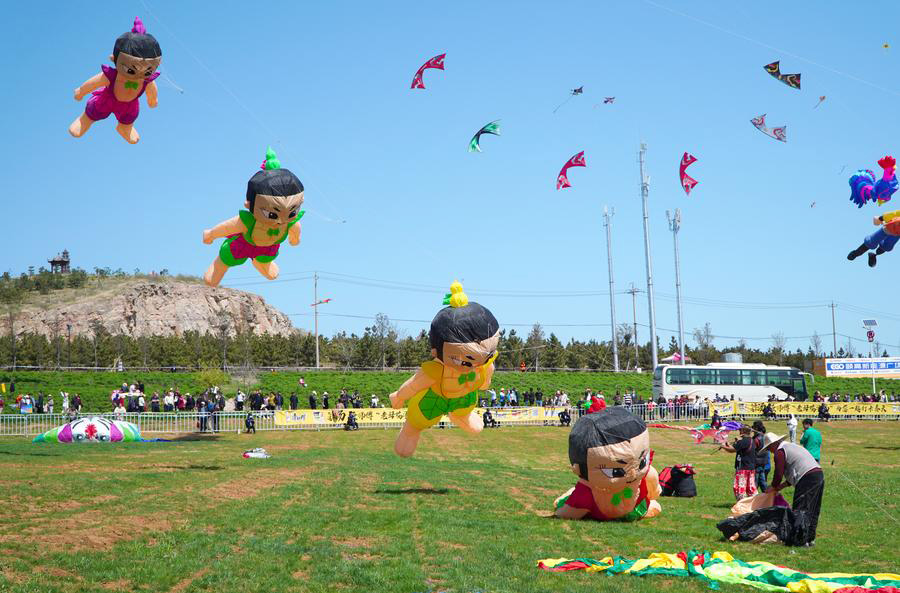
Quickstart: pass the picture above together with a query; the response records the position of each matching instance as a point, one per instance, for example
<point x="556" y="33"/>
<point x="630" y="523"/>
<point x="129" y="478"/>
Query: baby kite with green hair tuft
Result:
<point x="274" y="197"/>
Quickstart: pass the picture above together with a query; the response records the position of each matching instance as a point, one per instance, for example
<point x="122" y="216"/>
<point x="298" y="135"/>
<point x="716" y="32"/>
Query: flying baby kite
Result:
<point x="562" y="180"/>
<point x="116" y="89"/>
<point x="777" y="133"/>
<point x="491" y="128"/>
<point x="821" y="98"/>
<point x="687" y="182"/>
<point x="437" y="62"/>
<point x="792" y="80"/>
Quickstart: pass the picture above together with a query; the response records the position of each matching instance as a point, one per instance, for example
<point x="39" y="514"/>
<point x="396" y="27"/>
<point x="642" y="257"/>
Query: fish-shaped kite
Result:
<point x="777" y="133"/>
<point x="687" y="182"/>
<point x="437" y="62"/>
<point x="792" y="80"/>
<point x="491" y="128"/>
<point x="562" y="180"/>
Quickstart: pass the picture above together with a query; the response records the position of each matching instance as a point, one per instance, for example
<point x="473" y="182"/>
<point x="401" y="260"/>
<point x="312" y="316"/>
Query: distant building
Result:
<point x="60" y="263"/>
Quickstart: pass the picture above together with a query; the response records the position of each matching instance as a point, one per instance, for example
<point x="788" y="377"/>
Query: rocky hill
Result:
<point x="142" y="307"/>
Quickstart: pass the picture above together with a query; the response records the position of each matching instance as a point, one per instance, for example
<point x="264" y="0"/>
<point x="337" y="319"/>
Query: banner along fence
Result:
<point x="186" y="422"/>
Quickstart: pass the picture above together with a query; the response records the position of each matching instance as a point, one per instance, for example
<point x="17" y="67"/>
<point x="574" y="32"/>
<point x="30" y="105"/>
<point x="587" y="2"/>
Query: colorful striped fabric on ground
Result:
<point x="722" y="567"/>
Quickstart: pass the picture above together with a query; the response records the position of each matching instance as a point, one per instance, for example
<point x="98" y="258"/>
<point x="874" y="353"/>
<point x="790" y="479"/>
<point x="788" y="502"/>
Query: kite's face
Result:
<point x="465" y="357"/>
<point x="614" y="467"/>
<point x="276" y="211"/>
<point x="134" y="68"/>
<point x="91" y="430"/>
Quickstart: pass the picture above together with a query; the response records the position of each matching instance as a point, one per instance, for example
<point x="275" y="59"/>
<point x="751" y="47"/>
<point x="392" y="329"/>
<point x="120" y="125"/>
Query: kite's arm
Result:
<point x="152" y="95"/>
<point x="889" y="216"/>
<point x="232" y="226"/>
<point x="91" y="84"/>
<point x="418" y="382"/>
<point x="294" y="234"/>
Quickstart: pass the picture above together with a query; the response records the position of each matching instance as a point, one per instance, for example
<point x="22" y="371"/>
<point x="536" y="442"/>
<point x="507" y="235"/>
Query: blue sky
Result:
<point x="327" y="85"/>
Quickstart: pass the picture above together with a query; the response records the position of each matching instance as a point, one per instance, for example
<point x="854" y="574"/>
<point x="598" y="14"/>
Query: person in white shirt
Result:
<point x="48" y="407"/>
<point x="374" y="401"/>
<point x="65" y="402"/>
<point x="168" y="402"/>
<point x="792" y="428"/>
<point x="142" y="404"/>
<point x="120" y="412"/>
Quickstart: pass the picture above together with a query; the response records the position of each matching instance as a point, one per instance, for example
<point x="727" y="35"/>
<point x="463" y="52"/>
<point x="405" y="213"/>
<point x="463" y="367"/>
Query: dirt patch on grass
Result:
<point x="90" y="530"/>
<point x="249" y="485"/>
<point x="186" y="582"/>
<point x="358" y="542"/>
<point x="120" y="585"/>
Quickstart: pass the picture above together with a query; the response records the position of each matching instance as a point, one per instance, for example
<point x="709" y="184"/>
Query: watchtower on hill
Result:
<point x="60" y="263"/>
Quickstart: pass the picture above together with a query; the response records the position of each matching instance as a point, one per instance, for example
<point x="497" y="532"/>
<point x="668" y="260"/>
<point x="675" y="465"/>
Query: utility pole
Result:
<point x="675" y="226"/>
<point x="316" y="312"/>
<point x="833" y="331"/>
<point x="633" y="292"/>
<point x="69" y="347"/>
<point x="223" y="327"/>
<point x="315" y="307"/>
<point x="607" y="215"/>
<point x="645" y="190"/>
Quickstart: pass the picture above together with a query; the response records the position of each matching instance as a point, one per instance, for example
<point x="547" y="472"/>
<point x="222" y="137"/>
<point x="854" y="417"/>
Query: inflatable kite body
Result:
<point x="463" y="340"/>
<point x="779" y="133"/>
<point x="437" y="62"/>
<point x="865" y="188"/>
<point x="93" y="429"/>
<point x="610" y="453"/>
<point x="274" y="197"/>
<point x="117" y="90"/>
<point x="562" y="180"/>
<point x="715" y="568"/>
<point x="491" y="128"/>
<point x="882" y="240"/>
<point x="687" y="182"/>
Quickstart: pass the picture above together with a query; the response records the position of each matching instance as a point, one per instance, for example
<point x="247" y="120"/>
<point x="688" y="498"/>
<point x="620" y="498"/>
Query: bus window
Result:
<point x="729" y="377"/>
<point x="703" y="377"/>
<point x="754" y="377"/>
<point x="675" y="376"/>
<point x="799" y="391"/>
<point x="779" y="378"/>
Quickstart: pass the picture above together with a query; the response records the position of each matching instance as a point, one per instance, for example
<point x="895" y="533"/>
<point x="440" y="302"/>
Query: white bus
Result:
<point x="746" y="382"/>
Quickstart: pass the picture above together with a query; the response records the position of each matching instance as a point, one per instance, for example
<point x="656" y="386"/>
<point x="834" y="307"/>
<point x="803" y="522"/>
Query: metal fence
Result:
<point x="223" y="422"/>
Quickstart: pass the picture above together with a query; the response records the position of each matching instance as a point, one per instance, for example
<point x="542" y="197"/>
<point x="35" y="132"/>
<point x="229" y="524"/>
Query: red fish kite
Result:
<point x="792" y="80"/>
<point x="687" y="182"/>
<point x="436" y="62"/>
<point x="562" y="180"/>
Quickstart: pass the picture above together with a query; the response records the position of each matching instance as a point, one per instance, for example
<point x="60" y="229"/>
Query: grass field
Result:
<point x="337" y="511"/>
<point x="95" y="387"/>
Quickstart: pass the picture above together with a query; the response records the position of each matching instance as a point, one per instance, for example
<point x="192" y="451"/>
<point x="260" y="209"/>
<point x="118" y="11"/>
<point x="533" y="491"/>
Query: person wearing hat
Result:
<point x="795" y="466"/>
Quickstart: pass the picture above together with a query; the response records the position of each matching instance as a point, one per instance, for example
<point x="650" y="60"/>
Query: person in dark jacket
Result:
<point x="744" y="464"/>
<point x="763" y="465"/>
<point x="294" y="401"/>
<point x="250" y="423"/>
<point x="312" y="400"/>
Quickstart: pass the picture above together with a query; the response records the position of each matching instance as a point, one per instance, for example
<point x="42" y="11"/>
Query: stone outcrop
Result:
<point x="159" y="307"/>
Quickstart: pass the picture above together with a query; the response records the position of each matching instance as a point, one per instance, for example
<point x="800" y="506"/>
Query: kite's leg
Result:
<point x="407" y="440"/>
<point x="128" y="132"/>
<point x="471" y="422"/>
<point x="81" y="125"/>
<point x="269" y="270"/>
<point x="653" y="509"/>
<point x="215" y="272"/>
<point x="873" y="257"/>
<point x="858" y="251"/>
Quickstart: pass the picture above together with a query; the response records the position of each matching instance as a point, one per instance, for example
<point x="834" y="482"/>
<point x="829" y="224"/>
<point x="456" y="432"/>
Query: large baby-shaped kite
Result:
<point x="116" y="90"/>
<point x="610" y="453"/>
<point x="274" y="197"/>
<point x="463" y="340"/>
<point x="93" y="429"/>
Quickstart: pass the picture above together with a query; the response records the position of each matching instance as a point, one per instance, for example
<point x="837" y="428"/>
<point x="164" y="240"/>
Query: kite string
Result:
<point x="773" y="48"/>
<point x="227" y="89"/>
<point x="866" y="494"/>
